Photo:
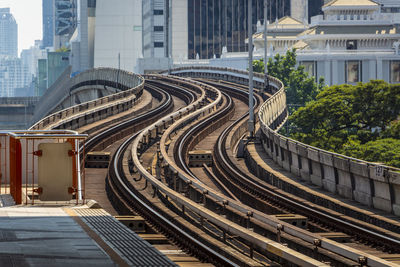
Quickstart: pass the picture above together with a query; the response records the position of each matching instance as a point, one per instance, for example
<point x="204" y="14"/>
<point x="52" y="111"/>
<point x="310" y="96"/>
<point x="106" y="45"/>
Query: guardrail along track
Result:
<point x="123" y="192"/>
<point x="255" y="241"/>
<point x="203" y="198"/>
<point x="363" y="233"/>
<point x="260" y="195"/>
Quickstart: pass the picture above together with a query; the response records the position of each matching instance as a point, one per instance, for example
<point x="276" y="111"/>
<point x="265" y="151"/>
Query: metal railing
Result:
<point x="66" y="87"/>
<point x="372" y="184"/>
<point x="131" y="83"/>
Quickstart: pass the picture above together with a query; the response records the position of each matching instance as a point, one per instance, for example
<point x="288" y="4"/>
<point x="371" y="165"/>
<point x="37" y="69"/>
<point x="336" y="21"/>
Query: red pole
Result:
<point x="15" y="170"/>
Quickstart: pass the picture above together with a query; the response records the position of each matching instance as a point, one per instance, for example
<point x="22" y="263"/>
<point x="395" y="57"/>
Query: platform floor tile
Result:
<point x="132" y="248"/>
<point x="46" y="236"/>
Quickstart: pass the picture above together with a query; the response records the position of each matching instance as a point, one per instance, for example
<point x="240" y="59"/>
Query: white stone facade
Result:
<point x="118" y="34"/>
<point x="350" y="44"/>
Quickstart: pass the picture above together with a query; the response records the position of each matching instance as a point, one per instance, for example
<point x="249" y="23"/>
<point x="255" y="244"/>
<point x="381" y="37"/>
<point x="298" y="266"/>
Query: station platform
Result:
<point x="63" y="234"/>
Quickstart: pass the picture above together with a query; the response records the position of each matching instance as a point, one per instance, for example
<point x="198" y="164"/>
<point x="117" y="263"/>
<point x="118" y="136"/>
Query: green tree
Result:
<point x="352" y="119"/>
<point x="393" y="131"/>
<point x="300" y="87"/>
<point x="385" y="151"/>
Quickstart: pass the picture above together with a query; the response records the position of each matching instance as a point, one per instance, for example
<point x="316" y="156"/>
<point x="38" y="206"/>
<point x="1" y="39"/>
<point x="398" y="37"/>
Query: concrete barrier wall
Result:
<point x="85" y="86"/>
<point x="368" y="183"/>
<point x="91" y="111"/>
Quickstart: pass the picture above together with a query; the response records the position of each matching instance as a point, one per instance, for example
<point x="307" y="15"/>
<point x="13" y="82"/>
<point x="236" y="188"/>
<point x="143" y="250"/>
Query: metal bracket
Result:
<point x="72" y="153"/>
<point x="363" y="261"/>
<point x="72" y="190"/>
<point x="38" y="190"/>
<point x="38" y="153"/>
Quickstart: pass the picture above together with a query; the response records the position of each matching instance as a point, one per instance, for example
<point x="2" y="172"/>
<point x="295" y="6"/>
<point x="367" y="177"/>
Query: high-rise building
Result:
<point x="118" y="20"/>
<point x="8" y="34"/>
<point x="190" y="29"/>
<point x="65" y="21"/>
<point x="57" y="62"/>
<point x="13" y="75"/>
<point x="213" y="25"/>
<point x="30" y="58"/>
<point x="48" y="23"/>
<point x="155" y="28"/>
<point x="82" y="40"/>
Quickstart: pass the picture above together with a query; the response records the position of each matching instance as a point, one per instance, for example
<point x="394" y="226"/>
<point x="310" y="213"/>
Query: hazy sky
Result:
<point x="28" y="14"/>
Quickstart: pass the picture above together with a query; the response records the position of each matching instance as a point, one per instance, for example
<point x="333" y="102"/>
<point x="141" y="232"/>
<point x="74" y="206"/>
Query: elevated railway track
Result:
<point x="233" y="222"/>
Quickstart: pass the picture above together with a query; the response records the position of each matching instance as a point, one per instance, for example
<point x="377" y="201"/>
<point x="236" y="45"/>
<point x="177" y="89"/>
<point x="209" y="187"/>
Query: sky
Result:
<point x="28" y="14"/>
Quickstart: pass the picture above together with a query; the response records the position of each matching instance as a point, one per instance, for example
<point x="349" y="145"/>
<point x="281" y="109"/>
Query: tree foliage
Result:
<point x="354" y="120"/>
<point x="300" y="87"/>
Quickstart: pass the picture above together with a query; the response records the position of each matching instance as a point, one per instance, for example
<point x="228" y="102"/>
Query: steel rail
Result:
<point x="294" y="231"/>
<point x="193" y="130"/>
<point x="317" y="215"/>
<point x="163" y="222"/>
<point x="351" y="253"/>
<point x="255" y="239"/>
<point x="115" y="172"/>
<point x="109" y="131"/>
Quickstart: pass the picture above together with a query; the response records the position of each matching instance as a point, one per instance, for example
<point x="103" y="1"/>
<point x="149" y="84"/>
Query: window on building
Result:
<point x="353" y="71"/>
<point x="158" y="12"/>
<point x="158" y="44"/>
<point x="351" y="45"/>
<point x="92" y="3"/>
<point x="395" y="71"/>
<point x="158" y="28"/>
<point x="310" y="67"/>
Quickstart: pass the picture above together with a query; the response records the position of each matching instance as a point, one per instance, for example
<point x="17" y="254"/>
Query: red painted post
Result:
<point x="16" y="170"/>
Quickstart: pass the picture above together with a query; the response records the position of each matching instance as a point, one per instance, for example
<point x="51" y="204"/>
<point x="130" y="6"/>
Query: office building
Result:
<point x="48" y="23"/>
<point x="65" y="22"/>
<point x="13" y="75"/>
<point x="82" y="39"/>
<point x="8" y="34"/>
<point x="190" y="29"/>
<point x="118" y="34"/>
<point x="31" y="56"/>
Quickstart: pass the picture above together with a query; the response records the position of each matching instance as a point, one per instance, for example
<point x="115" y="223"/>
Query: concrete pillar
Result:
<point x="328" y="71"/>
<point x="379" y="70"/>
<point x="335" y="72"/>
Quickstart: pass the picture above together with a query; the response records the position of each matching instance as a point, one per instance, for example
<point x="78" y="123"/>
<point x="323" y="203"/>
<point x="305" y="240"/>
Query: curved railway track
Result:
<point x="255" y="241"/>
<point x="340" y="251"/>
<point x="174" y="135"/>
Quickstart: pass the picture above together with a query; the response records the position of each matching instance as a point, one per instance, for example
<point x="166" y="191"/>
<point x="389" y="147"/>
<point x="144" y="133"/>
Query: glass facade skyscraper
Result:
<point x="8" y="34"/>
<point x="48" y="23"/>
<point x="214" y="24"/>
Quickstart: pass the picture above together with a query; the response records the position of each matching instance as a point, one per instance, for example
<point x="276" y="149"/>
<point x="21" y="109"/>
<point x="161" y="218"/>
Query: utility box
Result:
<point x="199" y="157"/>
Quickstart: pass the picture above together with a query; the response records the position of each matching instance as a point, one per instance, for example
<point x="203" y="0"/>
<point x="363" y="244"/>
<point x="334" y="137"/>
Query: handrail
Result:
<point x="134" y="83"/>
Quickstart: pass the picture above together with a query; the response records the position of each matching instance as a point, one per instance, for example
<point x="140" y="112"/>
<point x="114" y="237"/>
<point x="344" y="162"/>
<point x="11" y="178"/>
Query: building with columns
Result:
<point x="353" y="41"/>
